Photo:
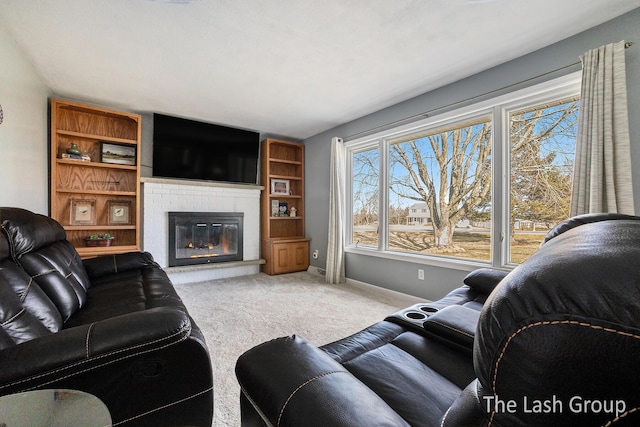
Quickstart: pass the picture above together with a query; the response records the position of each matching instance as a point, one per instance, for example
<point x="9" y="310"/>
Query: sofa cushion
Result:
<point x="38" y="244"/>
<point x="58" y="270"/>
<point x="32" y="299"/>
<point x="24" y="309"/>
<point x="484" y="280"/>
<point x="127" y="291"/>
<point x="27" y="231"/>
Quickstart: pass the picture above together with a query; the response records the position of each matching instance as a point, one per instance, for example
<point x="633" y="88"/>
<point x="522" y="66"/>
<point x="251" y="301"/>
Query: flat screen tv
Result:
<point x="188" y="149"/>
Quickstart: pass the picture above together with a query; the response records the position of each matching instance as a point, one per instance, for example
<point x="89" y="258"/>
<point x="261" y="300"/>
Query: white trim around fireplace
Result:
<point x="159" y="196"/>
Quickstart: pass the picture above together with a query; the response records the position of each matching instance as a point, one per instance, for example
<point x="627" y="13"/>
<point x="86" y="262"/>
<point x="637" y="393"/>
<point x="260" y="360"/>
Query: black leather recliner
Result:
<point x="112" y="326"/>
<point x="555" y="343"/>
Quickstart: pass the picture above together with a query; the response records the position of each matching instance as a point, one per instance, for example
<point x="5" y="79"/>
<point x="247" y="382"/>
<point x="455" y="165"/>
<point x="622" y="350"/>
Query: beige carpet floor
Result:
<point x="238" y="313"/>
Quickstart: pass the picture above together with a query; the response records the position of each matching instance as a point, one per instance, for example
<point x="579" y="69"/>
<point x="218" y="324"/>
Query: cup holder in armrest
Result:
<point x="413" y="316"/>
<point x="427" y="309"/>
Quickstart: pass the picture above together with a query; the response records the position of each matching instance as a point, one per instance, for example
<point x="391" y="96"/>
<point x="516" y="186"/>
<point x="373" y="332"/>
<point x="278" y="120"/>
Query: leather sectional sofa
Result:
<point x="112" y="326"/>
<point x="555" y="342"/>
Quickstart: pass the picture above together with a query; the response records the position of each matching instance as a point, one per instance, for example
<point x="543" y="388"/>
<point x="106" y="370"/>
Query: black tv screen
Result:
<point x="188" y="149"/>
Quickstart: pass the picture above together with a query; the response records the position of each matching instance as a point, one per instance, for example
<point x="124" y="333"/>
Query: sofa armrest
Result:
<point x="290" y="382"/>
<point x="74" y="351"/>
<point x="111" y="264"/>
<point x="455" y="324"/>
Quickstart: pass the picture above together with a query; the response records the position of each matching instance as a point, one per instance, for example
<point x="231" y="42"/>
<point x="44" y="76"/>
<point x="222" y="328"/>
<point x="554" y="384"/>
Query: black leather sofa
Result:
<point x="553" y="343"/>
<point x="112" y="326"/>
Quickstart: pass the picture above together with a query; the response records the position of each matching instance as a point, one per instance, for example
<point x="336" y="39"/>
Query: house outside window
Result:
<point x="480" y="185"/>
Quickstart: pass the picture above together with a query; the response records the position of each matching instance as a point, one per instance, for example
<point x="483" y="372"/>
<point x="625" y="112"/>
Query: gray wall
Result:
<point x="533" y="68"/>
<point x="23" y="134"/>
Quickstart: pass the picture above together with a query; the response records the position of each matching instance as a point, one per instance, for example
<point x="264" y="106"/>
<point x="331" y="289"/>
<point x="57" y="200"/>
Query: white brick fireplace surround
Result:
<point x="160" y="196"/>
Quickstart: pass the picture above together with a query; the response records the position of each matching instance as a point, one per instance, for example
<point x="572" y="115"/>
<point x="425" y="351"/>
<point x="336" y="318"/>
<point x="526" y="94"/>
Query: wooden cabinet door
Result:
<point x="290" y="257"/>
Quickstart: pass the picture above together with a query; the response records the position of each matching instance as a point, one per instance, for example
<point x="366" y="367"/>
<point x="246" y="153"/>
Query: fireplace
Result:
<point x="204" y="237"/>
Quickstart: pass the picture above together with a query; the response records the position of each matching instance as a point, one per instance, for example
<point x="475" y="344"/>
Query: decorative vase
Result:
<point x="73" y="149"/>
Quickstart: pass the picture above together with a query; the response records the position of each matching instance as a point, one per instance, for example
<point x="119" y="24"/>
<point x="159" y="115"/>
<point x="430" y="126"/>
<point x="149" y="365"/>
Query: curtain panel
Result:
<point x="602" y="171"/>
<point x="335" y="269"/>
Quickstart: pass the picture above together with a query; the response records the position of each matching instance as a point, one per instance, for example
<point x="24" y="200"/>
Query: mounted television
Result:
<point x="188" y="149"/>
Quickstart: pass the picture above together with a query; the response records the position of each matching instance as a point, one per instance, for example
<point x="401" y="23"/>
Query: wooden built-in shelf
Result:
<point x="96" y="184"/>
<point x="284" y="246"/>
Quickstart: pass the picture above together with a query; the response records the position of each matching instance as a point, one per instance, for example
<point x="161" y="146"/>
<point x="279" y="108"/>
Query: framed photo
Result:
<point x="284" y="209"/>
<point x="119" y="212"/>
<point x="275" y="207"/>
<point x="280" y="186"/>
<point x="83" y="212"/>
<point x="119" y="154"/>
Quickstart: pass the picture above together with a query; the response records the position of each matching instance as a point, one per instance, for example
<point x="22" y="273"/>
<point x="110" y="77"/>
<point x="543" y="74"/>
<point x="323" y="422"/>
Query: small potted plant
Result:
<point x="98" y="239"/>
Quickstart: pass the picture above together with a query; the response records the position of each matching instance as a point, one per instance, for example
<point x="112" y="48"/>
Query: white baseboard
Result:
<point x="369" y="288"/>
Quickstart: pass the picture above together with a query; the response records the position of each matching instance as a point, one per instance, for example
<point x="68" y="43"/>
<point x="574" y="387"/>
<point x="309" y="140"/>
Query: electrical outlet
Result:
<point x="420" y="274"/>
<point x="315" y="254"/>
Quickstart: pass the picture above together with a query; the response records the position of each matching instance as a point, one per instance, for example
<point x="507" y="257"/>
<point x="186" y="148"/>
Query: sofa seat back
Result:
<point x="26" y="312"/>
<point x="39" y="245"/>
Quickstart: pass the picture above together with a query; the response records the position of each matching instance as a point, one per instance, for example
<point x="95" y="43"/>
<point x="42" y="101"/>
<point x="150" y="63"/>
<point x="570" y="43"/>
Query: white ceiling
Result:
<point x="287" y="67"/>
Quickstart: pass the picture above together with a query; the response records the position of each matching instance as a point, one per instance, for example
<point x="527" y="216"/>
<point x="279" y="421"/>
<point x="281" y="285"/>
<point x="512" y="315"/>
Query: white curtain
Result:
<point x="602" y="171"/>
<point x="337" y="189"/>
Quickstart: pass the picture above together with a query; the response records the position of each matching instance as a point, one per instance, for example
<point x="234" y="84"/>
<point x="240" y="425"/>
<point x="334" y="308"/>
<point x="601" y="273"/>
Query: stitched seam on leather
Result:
<point x="102" y="356"/>
<point x="546" y="323"/>
<point x="27" y="288"/>
<point x="619" y="417"/>
<point x="12" y="248"/>
<point x="12" y="318"/>
<point x="452" y="328"/>
<point x="159" y="408"/>
<point x="88" y="338"/>
<point x="53" y="270"/>
<point x="444" y="417"/>
<point x="309" y="381"/>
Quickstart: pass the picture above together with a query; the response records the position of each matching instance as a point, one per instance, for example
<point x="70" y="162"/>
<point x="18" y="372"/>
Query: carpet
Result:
<point x="238" y="313"/>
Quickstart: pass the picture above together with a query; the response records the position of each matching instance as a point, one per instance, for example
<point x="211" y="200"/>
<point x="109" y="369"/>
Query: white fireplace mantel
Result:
<point x="160" y="196"/>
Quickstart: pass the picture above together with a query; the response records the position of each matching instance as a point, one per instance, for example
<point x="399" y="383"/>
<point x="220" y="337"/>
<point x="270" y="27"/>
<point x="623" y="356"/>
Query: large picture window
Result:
<point x="479" y="185"/>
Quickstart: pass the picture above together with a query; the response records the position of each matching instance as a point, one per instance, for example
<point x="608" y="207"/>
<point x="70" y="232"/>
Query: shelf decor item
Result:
<point x="283" y="209"/>
<point x="73" y="149"/>
<point x="98" y="240"/>
<point x="280" y="186"/>
<point x="119" y="212"/>
<point x="83" y="212"/>
<point x="118" y="154"/>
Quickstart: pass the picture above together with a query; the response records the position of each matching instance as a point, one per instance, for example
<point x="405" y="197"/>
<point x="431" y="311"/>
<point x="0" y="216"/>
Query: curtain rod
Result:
<point x="428" y="113"/>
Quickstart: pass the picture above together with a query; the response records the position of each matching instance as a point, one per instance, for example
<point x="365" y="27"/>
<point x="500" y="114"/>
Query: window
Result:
<point x="365" y="202"/>
<point x="542" y="142"/>
<point x="444" y="174"/>
<point x="480" y="185"/>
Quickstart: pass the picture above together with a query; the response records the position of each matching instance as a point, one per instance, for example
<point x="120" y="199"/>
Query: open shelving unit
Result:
<point x="284" y="246"/>
<point x="101" y="193"/>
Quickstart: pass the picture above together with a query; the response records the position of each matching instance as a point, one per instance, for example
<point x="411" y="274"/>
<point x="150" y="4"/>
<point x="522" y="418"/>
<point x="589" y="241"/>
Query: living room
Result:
<point x="25" y="95"/>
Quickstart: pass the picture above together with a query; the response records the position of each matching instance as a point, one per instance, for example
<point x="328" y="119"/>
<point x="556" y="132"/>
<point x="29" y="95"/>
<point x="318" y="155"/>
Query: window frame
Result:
<point x="498" y="108"/>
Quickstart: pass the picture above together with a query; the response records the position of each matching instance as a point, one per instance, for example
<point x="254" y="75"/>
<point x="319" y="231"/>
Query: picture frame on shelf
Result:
<point x="117" y="154"/>
<point x="119" y="212"/>
<point x="83" y="212"/>
<point x="275" y="207"/>
<point x="280" y="186"/>
<point x="283" y="209"/>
